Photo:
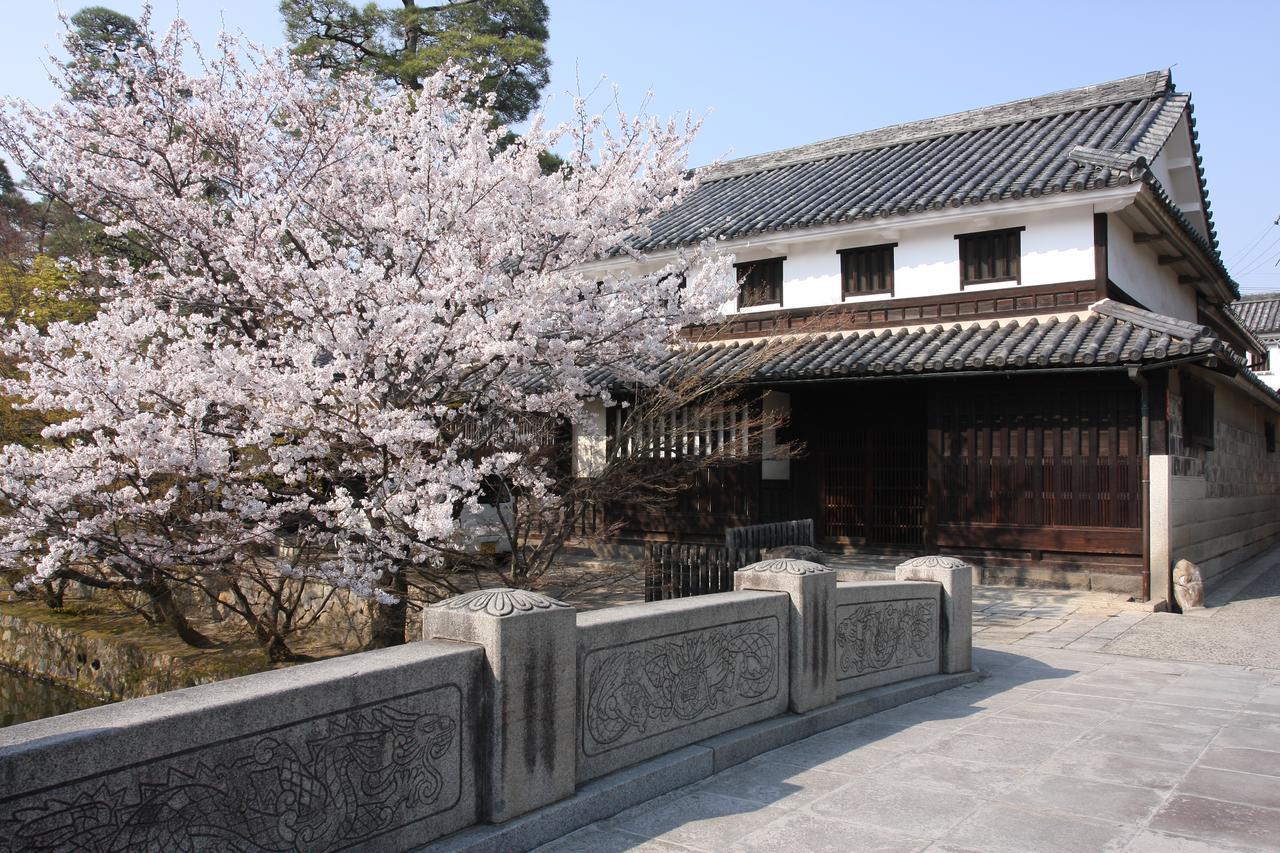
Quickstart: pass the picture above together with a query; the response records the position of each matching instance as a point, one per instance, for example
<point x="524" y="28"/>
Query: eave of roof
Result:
<point x="1110" y="334"/>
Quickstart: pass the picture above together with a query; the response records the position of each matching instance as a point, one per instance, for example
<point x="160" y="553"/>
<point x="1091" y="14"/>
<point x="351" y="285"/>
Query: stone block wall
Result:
<point x="515" y="713"/>
<point x="1224" y="502"/>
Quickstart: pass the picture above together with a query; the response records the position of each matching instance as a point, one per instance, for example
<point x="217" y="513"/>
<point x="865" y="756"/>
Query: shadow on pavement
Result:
<point x="718" y="812"/>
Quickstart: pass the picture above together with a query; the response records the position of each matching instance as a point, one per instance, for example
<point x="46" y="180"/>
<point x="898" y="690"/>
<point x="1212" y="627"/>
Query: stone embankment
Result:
<point x="108" y="655"/>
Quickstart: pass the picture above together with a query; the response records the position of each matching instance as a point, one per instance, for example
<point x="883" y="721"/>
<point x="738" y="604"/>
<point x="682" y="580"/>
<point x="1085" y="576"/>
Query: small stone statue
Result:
<point x="794" y="552"/>
<point x="1188" y="585"/>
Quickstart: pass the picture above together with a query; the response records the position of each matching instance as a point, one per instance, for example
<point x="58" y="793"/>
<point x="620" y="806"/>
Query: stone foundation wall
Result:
<point x="1224" y="503"/>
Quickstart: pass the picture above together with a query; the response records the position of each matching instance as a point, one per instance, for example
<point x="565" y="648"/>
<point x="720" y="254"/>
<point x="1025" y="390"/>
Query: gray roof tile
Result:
<point x="1109" y="334"/>
<point x="1080" y="139"/>
<point x="1260" y="313"/>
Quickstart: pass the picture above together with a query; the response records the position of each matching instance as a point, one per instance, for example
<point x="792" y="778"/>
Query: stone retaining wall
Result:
<point x="101" y="665"/>
<point x="518" y="713"/>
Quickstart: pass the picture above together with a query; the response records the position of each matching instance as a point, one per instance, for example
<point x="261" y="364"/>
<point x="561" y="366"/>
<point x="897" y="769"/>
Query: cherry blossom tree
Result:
<point x="340" y="303"/>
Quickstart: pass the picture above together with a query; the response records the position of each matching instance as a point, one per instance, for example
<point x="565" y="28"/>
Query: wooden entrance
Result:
<point x="869" y="454"/>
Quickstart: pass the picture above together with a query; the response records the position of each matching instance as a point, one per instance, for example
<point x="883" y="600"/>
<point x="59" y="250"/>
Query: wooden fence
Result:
<point x="679" y="570"/>
<point x="772" y="535"/>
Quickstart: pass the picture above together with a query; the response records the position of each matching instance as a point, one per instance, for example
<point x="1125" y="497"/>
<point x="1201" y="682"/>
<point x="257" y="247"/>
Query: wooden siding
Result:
<point x="1044" y="464"/>
<point x="1032" y="467"/>
<point x="1013" y="301"/>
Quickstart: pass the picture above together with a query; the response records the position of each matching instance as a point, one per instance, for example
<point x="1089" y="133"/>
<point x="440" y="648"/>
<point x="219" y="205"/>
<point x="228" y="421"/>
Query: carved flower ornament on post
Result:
<point x="500" y="602"/>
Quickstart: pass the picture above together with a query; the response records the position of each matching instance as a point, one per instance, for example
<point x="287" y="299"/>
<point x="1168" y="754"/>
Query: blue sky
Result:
<point x="773" y="74"/>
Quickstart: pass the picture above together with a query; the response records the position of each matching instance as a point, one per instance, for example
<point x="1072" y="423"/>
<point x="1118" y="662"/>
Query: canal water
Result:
<point x="23" y="698"/>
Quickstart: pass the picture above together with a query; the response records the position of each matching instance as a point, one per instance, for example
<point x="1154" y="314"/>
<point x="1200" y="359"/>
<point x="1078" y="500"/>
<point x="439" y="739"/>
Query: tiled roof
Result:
<point x="1109" y="334"/>
<point x="1081" y="139"/>
<point x="1259" y="313"/>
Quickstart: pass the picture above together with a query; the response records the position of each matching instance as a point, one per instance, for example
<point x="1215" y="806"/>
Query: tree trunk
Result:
<point x="270" y="638"/>
<point x="167" y="610"/>
<point x="389" y="621"/>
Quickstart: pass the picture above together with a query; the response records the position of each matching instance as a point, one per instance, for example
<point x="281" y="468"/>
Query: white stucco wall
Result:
<point x="775" y="462"/>
<point x="1057" y="246"/>
<point x="590" y="446"/>
<point x="1271" y="375"/>
<point x="1175" y="168"/>
<point x="1136" y="270"/>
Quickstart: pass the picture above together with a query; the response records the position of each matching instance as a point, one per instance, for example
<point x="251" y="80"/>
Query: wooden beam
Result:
<point x="1139" y="237"/>
<point x="1075" y="540"/>
<point x="1165" y="260"/>
<point x="1191" y="279"/>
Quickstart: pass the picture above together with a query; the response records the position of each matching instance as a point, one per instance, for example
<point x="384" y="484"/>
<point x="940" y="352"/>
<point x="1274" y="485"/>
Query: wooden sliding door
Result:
<point x="1036" y="463"/>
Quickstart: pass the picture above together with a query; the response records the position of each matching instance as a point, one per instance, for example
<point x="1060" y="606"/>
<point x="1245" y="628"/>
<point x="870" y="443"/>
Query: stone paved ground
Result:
<point x="1056" y="751"/>
<point x="1061" y="748"/>
<point x="1244" y="630"/>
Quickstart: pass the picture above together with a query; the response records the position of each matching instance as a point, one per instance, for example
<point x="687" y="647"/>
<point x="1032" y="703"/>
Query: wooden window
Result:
<point x="990" y="256"/>
<point x="760" y="283"/>
<point x="688" y="431"/>
<point x="1197" y="413"/>
<point x="868" y="269"/>
<point x="1269" y="436"/>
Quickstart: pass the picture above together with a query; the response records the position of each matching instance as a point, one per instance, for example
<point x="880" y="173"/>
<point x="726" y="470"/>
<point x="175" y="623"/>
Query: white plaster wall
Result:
<point x="1230" y="511"/>
<point x="1175" y="168"/>
<point x="1057" y="246"/>
<point x="775" y="463"/>
<point x="1271" y="375"/>
<point x="590" y="442"/>
<point x="1158" y="505"/>
<point x="1135" y="269"/>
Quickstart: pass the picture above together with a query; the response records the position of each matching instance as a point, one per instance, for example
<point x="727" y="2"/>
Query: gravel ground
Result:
<point x="1243" y="632"/>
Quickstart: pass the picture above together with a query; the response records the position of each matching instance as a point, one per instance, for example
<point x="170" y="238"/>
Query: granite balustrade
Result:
<point x="515" y="719"/>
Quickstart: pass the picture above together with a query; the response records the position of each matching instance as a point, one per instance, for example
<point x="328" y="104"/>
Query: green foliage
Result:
<point x="501" y="42"/>
<point x="103" y="31"/>
<point x="99" y="36"/>
<point x="6" y="180"/>
<point x="41" y="294"/>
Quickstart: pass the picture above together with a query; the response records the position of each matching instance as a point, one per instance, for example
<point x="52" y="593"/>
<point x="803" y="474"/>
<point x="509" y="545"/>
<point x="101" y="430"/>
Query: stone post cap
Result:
<point x="934" y="562"/>
<point x="500" y="603"/>
<point x="786" y="566"/>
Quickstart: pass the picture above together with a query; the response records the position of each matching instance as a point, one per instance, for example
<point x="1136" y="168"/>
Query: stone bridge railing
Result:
<point x="517" y="714"/>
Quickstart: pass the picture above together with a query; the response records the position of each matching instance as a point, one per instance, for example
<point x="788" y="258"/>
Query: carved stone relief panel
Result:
<point x="638" y="690"/>
<point x="329" y="782"/>
<point x="879" y="635"/>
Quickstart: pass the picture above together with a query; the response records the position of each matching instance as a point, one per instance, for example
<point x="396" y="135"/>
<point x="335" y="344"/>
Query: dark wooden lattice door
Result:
<point x="871" y="457"/>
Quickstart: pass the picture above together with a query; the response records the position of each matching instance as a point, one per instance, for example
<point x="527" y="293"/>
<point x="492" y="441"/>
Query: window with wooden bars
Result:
<point x="866" y="270"/>
<point x="687" y="431"/>
<point x="1197" y="413"/>
<point x="759" y="283"/>
<point x="990" y="256"/>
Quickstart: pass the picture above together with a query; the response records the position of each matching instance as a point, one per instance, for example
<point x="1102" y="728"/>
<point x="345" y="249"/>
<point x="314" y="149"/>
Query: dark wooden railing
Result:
<point x="679" y="570"/>
<point x="772" y="535"/>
